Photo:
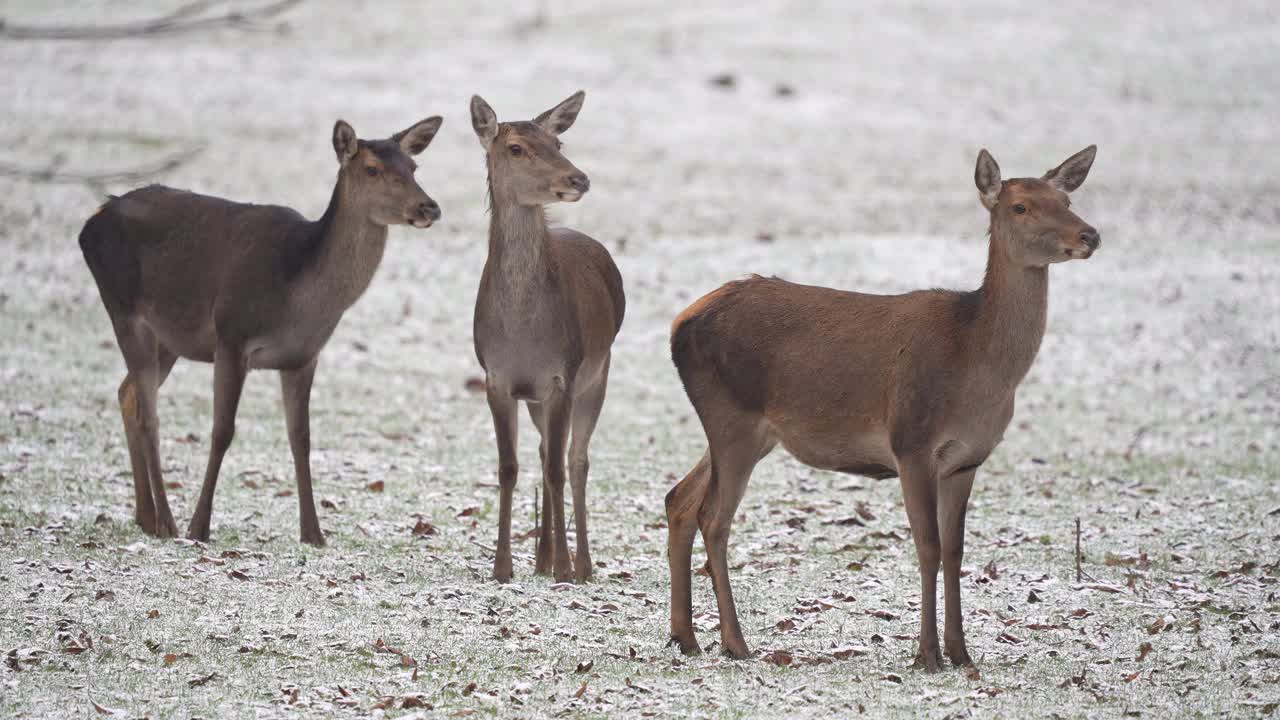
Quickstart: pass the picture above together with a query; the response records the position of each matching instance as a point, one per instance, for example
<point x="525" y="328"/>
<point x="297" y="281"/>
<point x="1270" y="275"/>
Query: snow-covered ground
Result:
<point x="1152" y="413"/>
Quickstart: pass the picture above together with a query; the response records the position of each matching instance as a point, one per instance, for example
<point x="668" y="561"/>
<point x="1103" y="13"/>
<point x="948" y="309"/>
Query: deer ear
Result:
<point x="484" y="121"/>
<point x="561" y="117"/>
<point x="345" y="143"/>
<point x="1071" y="173"/>
<point x="416" y="139"/>
<point x="987" y="177"/>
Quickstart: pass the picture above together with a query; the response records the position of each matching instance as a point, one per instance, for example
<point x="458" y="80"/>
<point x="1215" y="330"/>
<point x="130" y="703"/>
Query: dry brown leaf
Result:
<point x="104" y="710"/>
<point x="1143" y="650"/>
<point x="781" y="658"/>
<point x="376" y="486"/>
<point x="414" y="701"/>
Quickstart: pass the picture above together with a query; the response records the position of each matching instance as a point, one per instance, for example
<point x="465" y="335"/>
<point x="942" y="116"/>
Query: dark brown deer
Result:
<point x="243" y="287"/>
<point x="549" y="307"/>
<point x="918" y="386"/>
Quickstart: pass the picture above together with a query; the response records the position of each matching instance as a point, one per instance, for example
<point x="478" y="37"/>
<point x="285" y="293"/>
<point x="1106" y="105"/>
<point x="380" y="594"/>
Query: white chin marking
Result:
<point x="569" y="196"/>
<point x="420" y="223"/>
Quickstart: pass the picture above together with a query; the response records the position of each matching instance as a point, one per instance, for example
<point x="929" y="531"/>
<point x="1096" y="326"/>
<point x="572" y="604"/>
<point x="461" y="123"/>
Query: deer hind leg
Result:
<point x="682" y="504"/>
<point x="544" y="553"/>
<point x="144" y="507"/>
<point x="735" y="448"/>
<point x="148" y="365"/>
<point x="229" y="369"/>
<point x="586" y="411"/>
<point x="920" y="495"/>
<point x="503" y="408"/>
<point x="953" y="501"/>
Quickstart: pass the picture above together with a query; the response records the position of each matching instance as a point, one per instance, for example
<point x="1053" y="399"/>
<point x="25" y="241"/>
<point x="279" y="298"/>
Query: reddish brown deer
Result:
<point x="549" y="307"/>
<point x="918" y="386"/>
<point x="243" y="287"/>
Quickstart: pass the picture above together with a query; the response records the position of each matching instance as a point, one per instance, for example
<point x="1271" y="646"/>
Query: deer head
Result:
<point x="378" y="174"/>
<point x="525" y="158"/>
<point x="1031" y="219"/>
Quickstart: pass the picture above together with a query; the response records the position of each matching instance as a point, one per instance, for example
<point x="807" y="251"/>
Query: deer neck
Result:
<point x="348" y="250"/>
<point x="519" y="257"/>
<point x="1012" y="306"/>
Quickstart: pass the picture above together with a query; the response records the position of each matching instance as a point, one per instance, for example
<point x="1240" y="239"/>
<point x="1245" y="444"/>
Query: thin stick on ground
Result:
<point x="1079" y="571"/>
<point x="188" y="18"/>
<point x="125" y="176"/>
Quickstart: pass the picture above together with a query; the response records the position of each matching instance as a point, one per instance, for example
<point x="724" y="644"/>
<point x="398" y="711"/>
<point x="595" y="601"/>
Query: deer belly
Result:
<point x="286" y="351"/>
<point x="865" y="454"/>
<point x="186" y="337"/>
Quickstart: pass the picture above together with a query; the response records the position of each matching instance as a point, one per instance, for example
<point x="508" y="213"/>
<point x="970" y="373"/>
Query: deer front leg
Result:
<point x="295" y="387"/>
<point x="953" y="501"/>
<point x="229" y="370"/>
<point x="544" y="550"/>
<point x="919" y="494"/>
<point x="558" y="409"/>
<point x="503" y="408"/>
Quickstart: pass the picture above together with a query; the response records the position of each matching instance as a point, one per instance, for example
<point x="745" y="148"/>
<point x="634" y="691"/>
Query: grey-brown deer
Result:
<point x="243" y="287"/>
<point x="918" y="386"/>
<point x="549" y="306"/>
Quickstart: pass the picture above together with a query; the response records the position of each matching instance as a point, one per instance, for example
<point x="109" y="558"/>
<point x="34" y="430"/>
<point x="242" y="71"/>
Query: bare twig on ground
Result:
<point x="537" y="539"/>
<point x="1079" y="571"/>
<point x="489" y="549"/>
<point x="1133" y="444"/>
<point x="96" y="180"/>
<point x="188" y="18"/>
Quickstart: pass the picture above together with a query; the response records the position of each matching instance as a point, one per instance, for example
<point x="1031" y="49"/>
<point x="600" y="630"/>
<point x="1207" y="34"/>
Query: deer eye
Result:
<point x="371" y="171"/>
<point x="516" y="150"/>
<point x="1019" y="209"/>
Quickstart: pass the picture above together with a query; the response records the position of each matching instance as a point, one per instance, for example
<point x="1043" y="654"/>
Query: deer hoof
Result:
<point x="688" y="646"/>
<point x="196" y="532"/>
<point x="928" y="660"/>
<point x="166" y="528"/>
<point x="960" y="658"/>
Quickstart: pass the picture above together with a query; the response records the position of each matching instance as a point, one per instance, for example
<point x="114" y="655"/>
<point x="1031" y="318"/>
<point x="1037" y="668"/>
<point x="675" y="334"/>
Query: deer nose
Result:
<point x="429" y="209"/>
<point x="1091" y="238"/>
<point x="579" y="182"/>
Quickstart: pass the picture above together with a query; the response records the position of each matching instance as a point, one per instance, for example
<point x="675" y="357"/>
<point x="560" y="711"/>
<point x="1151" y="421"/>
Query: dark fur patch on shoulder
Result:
<point x="966" y="306"/>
